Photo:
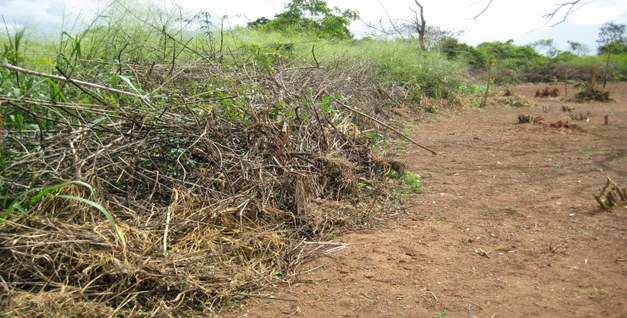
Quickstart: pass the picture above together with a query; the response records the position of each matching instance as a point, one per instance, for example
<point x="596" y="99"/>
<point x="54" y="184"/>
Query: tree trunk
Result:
<point x="421" y="26"/>
<point x="607" y="67"/>
<point x="484" y="99"/>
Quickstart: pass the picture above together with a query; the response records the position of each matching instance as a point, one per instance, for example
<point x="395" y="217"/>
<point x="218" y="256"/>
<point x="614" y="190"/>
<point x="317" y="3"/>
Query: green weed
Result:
<point x="441" y="314"/>
<point x="412" y="182"/>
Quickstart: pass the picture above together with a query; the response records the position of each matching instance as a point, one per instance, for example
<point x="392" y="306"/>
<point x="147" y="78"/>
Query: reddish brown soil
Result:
<point x="507" y="228"/>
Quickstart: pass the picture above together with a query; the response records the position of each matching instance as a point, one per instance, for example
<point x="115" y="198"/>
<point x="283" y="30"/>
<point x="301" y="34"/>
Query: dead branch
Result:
<point x="483" y="11"/>
<point x="400" y="134"/>
<point x="64" y="79"/>
<point x="567" y="7"/>
<point x="235" y="181"/>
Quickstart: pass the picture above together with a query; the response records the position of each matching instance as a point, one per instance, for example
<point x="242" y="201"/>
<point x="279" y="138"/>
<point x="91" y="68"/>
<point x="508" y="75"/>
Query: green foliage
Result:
<point x="616" y="48"/>
<point x="546" y="47"/>
<point x="411" y="181"/>
<point x="399" y="61"/>
<point x="513" y="62"/>
<point x="454" y="50"/>
<point x="12" y="48"/>
<point x="266" y="58"/>
<point x="577" y="48"/>
<point x="312" y="16"/>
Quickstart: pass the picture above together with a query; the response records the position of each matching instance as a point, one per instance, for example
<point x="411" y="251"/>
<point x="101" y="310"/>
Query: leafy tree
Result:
<point x="615" y="49"/>
<point x="507" y="50"/>
<point x="311" y="16"/>
<point x="611" y="36"/>
<point x="578" y="48"/>
<point x="546" y="47"/>
<point x="511" y="60"/>
<point x="453" y="49"/>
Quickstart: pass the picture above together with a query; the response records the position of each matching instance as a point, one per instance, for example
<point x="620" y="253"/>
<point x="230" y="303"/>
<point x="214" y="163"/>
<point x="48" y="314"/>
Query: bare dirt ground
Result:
<point x="507" y="228"/>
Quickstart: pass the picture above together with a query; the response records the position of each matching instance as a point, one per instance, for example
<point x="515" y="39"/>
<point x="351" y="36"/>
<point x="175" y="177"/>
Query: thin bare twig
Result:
<point x="570" y="8"/>
<point x="483" y="11"/>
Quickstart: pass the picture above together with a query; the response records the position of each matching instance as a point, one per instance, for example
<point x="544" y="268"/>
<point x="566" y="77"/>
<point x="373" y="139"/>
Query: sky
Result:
<point x="521" y="21"/>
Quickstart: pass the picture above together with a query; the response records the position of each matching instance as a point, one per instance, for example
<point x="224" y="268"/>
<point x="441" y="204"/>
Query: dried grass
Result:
<point x="214" y="200"/>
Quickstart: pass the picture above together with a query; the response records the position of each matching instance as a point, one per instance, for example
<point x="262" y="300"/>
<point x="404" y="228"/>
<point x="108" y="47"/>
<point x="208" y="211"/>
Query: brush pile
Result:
<point x="217" y="183"/>
<point x="591" y="94"/>
<point x="547" y="92"/>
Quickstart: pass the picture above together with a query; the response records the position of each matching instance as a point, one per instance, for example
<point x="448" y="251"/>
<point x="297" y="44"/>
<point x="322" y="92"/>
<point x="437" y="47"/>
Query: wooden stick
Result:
<point x="61" y="78"/>
<point x="383" y="124"/>
<point x="600" y="201"/>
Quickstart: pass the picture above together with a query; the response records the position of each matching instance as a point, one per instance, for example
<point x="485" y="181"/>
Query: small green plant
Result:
<point x="510" y="208"/>
<point x="557" y="166"/>
<point x="441" y="314"/>
<point x="331" y="235"/>
<point x="412" y="182"/>
<point x="471" y="89"/>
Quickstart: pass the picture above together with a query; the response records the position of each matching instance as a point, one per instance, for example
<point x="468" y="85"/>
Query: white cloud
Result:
<point x="33" y="14"/>
<point x="505" y="19"/>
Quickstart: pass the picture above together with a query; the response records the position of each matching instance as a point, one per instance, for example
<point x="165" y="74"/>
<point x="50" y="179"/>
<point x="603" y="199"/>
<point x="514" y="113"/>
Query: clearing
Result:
<point x="507" y="227"/>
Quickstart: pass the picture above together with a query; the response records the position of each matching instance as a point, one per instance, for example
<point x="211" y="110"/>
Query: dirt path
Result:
<point x="508" y="227"/>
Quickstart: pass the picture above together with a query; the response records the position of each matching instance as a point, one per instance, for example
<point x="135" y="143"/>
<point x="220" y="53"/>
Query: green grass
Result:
<point x="393" y="61"/>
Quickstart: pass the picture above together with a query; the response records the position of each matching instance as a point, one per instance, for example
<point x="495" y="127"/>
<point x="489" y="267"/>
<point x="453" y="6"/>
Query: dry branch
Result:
<point x="384" y="125"/>
<point x="214" y="191"/>
<point x="67" y="79"/>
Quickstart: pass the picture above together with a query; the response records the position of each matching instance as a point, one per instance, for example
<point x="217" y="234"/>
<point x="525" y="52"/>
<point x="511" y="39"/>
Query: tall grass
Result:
<point x="398" y="61"/>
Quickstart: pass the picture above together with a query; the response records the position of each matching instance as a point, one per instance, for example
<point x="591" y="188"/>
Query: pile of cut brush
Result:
<point x="592" y="94"/>
<point x="215" y="184"/>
